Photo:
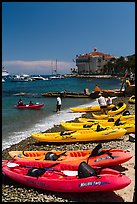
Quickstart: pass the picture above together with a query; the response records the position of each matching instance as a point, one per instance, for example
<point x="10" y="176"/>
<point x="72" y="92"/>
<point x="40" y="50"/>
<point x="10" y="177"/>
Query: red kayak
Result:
<point x="64" y="177"/>
<point x="34" y="106"/>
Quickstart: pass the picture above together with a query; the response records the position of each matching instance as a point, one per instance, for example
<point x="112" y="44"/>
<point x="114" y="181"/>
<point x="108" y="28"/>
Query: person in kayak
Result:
<point x="20" y="102"/>
<point x="30" y="103"/>
<point x="103" y="104"/>
<point x="58" y="104"/>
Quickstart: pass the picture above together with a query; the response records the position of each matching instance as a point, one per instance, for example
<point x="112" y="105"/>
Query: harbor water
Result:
<point x="18" y="124"/>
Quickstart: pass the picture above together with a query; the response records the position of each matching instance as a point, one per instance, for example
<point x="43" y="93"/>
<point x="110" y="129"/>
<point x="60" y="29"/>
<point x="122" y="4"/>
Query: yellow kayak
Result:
<point x="130" y="127"/>
<point x="122" y="117"/>
<point x="132" y="99"/>
<point x="90" y="108"/>
<point x="117" y="109"/>
<point x="106" y="121"/>
<point x="80" y="135"/>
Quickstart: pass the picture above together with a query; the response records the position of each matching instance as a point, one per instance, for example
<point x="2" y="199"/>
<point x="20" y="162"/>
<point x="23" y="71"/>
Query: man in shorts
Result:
<point x="103" y="104"/>
<point x="58" y="105"/>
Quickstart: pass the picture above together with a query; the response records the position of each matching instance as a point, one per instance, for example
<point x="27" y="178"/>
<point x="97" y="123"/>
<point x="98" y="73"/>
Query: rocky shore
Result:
<point x="16" y="192"/>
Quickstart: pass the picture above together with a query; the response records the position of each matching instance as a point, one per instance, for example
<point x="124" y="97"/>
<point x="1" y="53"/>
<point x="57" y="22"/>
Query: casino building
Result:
<point x="93" y="62"/>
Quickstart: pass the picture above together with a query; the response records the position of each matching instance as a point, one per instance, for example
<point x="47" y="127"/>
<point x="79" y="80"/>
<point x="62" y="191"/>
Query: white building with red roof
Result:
<point x="92" y="62"/>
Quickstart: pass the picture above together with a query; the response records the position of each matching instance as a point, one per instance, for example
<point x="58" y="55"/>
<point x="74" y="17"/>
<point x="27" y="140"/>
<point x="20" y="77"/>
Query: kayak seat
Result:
<point x="118" y="122"/>
<point x="114" y="108"/>
<point x="35" y="172"/>
<point x="84" y="170"/>
<point x="126" y="113"/>
<point x="97" y="150"/>
<point x="111" y="120"/>
<point x="51" y="156"/>
<point x="87" y="126"/>
<point x="120" y="104"/>
<point x="66" y="133"/>
<point x="99" y="128"/>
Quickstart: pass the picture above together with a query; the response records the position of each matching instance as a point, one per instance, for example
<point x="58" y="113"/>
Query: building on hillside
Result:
<point x="93" y="62"/>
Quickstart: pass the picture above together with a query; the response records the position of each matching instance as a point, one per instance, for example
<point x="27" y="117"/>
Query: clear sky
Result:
<point x="35" y="34"/>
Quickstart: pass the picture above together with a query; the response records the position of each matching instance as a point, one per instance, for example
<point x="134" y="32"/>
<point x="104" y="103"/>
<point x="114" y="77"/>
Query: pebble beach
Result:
<point x="16" y="192"/>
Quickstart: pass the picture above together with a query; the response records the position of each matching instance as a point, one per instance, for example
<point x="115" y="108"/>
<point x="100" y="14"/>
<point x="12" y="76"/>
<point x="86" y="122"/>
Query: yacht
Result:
<point x="39" y="78"/>
<point x="58" y="76"/>
<point x="5" y="73"/>
<point x="21" y="78"/>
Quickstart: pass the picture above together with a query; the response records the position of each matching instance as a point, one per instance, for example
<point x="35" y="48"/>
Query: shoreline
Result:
<point x="20" y="193"/>
<point x="93" y="76"/>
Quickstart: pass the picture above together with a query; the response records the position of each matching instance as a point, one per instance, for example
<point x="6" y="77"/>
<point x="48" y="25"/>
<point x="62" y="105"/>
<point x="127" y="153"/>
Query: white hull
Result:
<point x="4" y="73"/>
<point x="22" y="78"/>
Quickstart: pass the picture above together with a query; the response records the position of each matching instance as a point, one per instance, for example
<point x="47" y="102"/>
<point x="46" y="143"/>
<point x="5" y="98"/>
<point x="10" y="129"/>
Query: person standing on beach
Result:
<point x="109" y="101"/>
<point x="58" y="104"/>
<point x="103" y="104"/>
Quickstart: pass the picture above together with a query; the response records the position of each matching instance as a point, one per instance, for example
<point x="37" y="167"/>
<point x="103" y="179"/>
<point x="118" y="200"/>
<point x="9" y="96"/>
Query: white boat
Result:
<point x="39" y="78"/>
<point x="21" y="78"/>
<point x="4" y="72"/>
<point x="56" y="77"/>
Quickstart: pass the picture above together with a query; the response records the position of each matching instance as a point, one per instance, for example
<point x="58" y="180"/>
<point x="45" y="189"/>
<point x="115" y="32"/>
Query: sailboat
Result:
<point x="55" y="75"/>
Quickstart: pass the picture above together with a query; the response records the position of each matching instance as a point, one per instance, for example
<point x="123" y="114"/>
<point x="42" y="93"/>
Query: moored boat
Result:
<point x="4" y="72"/>
<point x="21" y="78"/>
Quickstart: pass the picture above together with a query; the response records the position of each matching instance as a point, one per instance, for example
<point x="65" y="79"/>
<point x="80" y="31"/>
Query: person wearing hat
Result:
<point x="103" y="104"/>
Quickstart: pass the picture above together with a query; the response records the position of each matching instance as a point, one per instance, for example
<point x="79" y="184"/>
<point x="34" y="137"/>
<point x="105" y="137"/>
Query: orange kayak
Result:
<point x="96" y="157"/>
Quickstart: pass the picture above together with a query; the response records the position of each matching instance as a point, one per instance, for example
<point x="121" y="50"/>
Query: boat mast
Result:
<point x="52" y="67"/>
<point x="56" y="67"/>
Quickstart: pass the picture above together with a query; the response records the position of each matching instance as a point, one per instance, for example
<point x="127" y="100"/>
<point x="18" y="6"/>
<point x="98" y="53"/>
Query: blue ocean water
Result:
<point x="19" y="124"/>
